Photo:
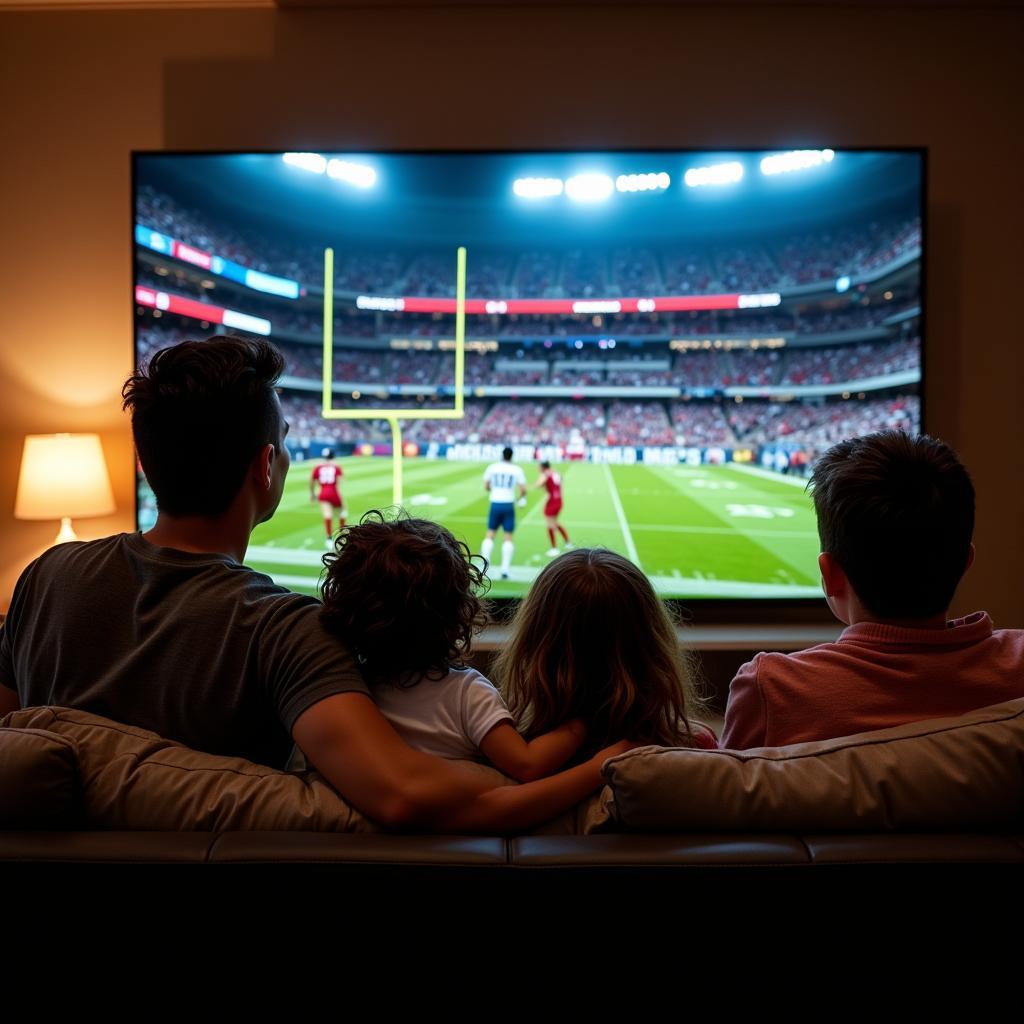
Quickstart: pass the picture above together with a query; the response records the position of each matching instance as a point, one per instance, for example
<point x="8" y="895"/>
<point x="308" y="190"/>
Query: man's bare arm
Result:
<point x="509" y="810"/>
<point x="355" y="748"/>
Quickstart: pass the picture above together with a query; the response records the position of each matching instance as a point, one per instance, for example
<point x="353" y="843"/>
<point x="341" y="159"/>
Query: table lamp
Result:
<point x="63" y="476"/>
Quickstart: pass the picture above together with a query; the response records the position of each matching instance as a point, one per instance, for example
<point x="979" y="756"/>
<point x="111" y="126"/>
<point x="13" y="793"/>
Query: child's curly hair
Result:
<point x="404" y="594"/>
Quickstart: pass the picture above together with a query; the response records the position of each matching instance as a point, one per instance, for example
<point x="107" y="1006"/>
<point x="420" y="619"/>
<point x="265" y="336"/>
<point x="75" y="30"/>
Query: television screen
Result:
<point x="641" y="350"/>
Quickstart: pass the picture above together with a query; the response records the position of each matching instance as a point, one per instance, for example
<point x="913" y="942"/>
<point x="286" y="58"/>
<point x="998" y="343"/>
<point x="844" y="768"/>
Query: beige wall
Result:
<point x="79" y="91"/>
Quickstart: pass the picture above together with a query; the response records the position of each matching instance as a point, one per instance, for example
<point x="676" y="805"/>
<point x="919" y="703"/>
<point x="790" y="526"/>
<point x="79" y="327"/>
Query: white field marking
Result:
<point x="714" y="485"/>
<point x="426" y="499"/>
<point x="624" y="526"/>
<point x="767" y="474"/>
<point x="759" y="512"/>
<point x="667" y="586"/>
<point x="284" y="556"/>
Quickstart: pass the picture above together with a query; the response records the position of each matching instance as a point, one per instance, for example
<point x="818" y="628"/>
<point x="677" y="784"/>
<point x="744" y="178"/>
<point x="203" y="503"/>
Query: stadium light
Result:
<point x="643" y="182"/>
<point x="360" y="175"/>
<point x="589" y="188"/>
<point x="715" y="174"/>
<point x="306" y="161"/>
<point x="796" y="160"/>
<point x="538" y="188"/>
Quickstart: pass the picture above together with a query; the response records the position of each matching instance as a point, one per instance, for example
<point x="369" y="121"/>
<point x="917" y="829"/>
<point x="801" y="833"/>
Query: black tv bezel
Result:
<point x="724" y="610"/>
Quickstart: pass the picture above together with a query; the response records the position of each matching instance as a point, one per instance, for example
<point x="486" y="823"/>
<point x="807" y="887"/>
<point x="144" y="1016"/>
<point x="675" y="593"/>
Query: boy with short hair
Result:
<point x="895" y="518"/>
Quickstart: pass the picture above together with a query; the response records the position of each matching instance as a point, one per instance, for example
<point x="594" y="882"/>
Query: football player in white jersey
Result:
<point x="502" y="480"/>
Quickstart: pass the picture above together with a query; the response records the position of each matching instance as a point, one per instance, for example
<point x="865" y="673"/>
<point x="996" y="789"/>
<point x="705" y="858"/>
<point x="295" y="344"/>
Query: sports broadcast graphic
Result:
<point x="640" y="350"/>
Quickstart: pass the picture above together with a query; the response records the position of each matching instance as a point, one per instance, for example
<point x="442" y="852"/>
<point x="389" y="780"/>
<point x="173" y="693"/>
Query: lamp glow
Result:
<point x="63" y="476"/>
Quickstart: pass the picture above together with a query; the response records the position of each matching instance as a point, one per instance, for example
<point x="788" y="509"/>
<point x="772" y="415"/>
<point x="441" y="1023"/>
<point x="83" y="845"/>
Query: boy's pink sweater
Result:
<point x="873" y="677"/>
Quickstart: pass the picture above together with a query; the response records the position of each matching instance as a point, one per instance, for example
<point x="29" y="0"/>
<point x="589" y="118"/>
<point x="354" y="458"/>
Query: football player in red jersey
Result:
<point x="552" y="482"/>
<point x="326" y="475"/>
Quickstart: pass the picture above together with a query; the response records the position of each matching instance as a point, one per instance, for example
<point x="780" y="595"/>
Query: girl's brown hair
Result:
<point x="404" y="594"/>
<point x="592" y="641"/>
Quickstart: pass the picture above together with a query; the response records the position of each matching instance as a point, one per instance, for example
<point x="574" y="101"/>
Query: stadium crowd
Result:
<point x="822" y="423"/>
<point x="812" y="425"/>
<point x="514" y="422"/>
<point x="639" y="423"/>
<point x="827" y="254"/>
<point x="567" y="421"/>
<point x="800" y="259"/>
<point x="701" y="424"/>
<point x="851" y="362"/>
<point x="713" y="368"/>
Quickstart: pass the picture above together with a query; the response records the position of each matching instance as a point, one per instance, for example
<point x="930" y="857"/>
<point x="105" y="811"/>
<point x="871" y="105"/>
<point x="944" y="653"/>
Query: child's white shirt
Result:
<point x="447" y="717"/>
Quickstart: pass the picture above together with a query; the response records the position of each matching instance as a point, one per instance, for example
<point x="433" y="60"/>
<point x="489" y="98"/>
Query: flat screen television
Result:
<point x="678" y="334"/>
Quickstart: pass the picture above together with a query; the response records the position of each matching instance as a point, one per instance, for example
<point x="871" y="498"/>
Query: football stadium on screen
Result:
<point x="665" y="341"/>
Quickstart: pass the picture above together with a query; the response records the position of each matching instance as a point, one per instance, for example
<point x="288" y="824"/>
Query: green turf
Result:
<point x="705" y="531"/>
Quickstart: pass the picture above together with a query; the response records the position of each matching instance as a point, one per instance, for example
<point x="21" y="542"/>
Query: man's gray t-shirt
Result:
<point x="195" y="647"/>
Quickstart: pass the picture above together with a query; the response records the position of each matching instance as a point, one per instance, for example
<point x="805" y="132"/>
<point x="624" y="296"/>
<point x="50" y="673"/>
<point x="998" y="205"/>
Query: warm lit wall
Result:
<point x="81" y="90"/>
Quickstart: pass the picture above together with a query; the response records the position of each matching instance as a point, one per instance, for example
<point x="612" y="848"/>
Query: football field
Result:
<point x="727" y="531"/>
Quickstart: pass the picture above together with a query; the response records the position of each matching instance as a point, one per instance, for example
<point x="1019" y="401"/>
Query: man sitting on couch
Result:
<point x="169" y="631"/>
<point x="895" y="518"/>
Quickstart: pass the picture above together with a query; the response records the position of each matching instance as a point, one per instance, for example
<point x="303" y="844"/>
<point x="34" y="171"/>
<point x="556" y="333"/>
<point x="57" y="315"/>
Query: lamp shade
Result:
<point x="63" y="475"/>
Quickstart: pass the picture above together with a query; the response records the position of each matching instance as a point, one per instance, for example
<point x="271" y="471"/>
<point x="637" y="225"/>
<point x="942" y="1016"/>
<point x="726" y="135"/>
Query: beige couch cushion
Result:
<point x="39" y="784"/>
<point x="133" y="779"/>
<point x="958" y="773"/>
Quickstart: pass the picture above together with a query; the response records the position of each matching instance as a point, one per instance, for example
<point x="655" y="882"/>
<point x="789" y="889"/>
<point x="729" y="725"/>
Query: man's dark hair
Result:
<point x="200" y="412"/>
<point x="897" y="513"/>
<point x="545" y="465"/>
<point x="403" y="594"/>
<point x="506" y="454"/>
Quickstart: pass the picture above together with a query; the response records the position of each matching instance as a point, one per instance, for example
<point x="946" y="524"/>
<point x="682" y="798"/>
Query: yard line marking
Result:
<point x="630" y="546"/>
<point x="284" y="556"/>
<point x="768" y="474"/>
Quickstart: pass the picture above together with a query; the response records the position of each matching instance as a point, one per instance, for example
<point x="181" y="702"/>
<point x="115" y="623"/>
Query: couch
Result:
<point x="79" y="789"/>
